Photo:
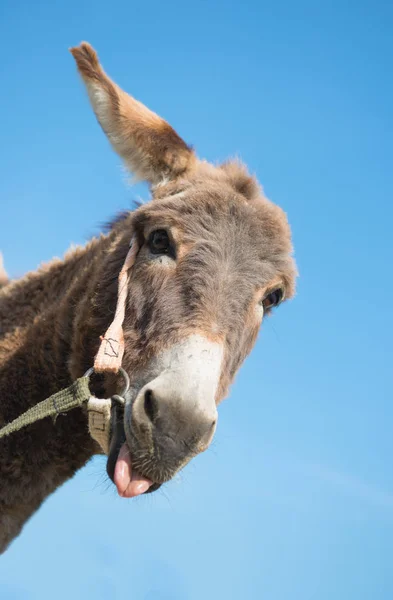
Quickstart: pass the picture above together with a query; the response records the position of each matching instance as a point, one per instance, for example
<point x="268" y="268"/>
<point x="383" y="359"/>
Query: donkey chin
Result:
<point x="170" y="416"/>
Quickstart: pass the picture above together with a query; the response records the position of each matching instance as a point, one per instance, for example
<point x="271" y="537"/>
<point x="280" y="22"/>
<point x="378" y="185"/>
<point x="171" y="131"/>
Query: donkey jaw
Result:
<point x="128" y="473"/>
<point x="128" y="481"/>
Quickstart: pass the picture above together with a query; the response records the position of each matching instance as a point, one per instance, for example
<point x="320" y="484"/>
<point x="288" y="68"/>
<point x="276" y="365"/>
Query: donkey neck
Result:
<point x="50" y="323"/>
<point x="51" y="320"/>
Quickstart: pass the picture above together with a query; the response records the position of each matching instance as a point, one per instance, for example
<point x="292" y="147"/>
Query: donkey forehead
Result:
<point x="255" y="234"/>
<point x="216" y="210"/>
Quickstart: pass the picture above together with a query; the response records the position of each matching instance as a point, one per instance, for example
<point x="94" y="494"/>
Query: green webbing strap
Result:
<point x="58" y="403"/>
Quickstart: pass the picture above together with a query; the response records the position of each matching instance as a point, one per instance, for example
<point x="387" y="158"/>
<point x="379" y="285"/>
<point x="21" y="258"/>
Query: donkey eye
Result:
<point x="273" y="299"/>
<point x="159" y="242"/>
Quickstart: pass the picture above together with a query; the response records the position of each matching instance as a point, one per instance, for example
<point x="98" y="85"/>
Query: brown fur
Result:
<point x="232" y="246"/>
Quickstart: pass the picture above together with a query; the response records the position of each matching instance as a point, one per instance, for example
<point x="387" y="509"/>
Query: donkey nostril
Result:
<point x="151" y="408"/>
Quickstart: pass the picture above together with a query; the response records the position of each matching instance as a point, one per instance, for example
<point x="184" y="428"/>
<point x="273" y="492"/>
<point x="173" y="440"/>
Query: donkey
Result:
<point x="214" y="256"/>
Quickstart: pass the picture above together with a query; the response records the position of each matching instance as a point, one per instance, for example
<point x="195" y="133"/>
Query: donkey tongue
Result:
<point x="128" y="484"/>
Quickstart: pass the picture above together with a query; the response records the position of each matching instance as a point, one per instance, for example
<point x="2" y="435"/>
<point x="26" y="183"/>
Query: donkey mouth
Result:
<point x="129" y="483"/>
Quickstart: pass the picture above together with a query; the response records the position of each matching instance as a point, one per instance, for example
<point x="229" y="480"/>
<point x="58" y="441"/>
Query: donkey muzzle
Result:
<point x="173" y="417"/>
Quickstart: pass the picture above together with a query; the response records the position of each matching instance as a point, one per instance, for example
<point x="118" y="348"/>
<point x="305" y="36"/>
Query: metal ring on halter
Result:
<point x="121" y="371"/>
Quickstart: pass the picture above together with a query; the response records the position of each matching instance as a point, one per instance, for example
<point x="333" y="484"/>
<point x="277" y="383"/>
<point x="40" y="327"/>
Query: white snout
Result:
<point x="180" y="398"/>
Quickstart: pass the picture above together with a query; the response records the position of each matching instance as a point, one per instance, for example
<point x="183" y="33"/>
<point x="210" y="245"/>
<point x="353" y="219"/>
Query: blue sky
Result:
<point x="295" y="497"/>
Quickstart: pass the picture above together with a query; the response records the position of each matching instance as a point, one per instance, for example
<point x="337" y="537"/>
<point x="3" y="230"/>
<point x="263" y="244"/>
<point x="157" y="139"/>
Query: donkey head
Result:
<point x="214" y="258"/>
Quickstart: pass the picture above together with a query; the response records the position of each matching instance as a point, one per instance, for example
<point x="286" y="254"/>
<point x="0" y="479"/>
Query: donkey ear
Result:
<point x="3" y="274"/>
<point x="151" y="149"/>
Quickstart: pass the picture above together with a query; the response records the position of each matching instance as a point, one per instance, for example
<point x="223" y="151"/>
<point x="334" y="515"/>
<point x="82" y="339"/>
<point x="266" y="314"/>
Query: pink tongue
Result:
<point x="128" y="484"/>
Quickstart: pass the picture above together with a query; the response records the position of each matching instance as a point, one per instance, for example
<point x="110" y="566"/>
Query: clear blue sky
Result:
<point x="295" y="498"/>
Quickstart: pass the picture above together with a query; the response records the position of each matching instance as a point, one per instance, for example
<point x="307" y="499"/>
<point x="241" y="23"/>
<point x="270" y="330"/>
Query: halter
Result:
<point x="108" y="359"/>
<point x="111" y="350"/>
